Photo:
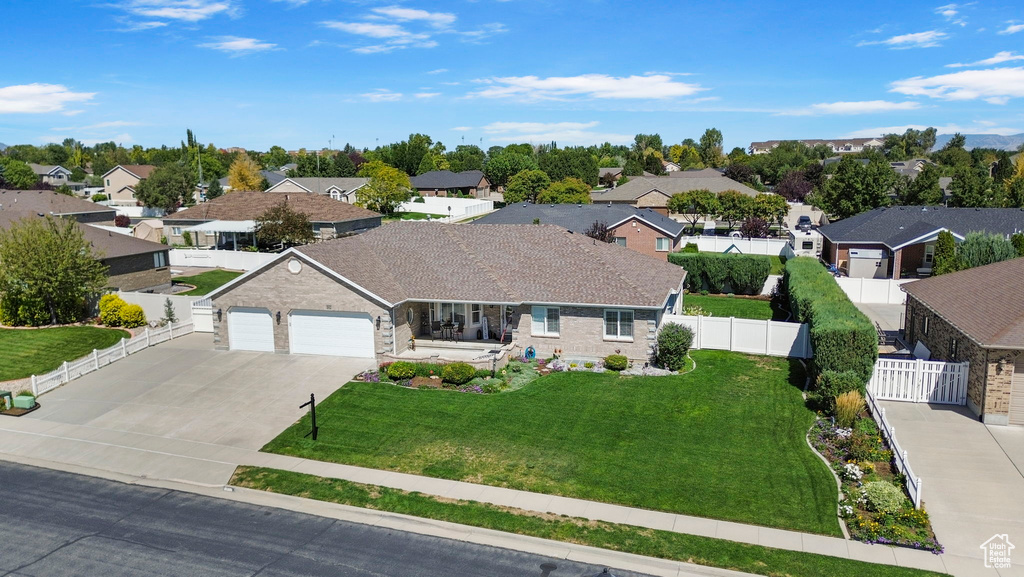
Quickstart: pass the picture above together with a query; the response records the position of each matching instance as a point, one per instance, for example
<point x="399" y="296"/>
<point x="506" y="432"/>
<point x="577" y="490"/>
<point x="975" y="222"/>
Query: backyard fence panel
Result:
<point x="153" y="304"/>
<point x="746" y="335"/>
<point x="788" y="340"/>
<point x="766" y="246"/>
<point x="750" y="336"/>
<point x="920" y="381"/>
<point x="202" y="315"/>
<point x="874" y="291"/>
<point x="716" y="333"/>
<point x="230" y="259"/>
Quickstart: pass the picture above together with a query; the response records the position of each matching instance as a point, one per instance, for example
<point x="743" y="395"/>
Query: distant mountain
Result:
<point x="984" y="141"/>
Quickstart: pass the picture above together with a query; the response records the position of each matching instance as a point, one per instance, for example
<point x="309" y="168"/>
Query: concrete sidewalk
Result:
<point x="211" y="465"/>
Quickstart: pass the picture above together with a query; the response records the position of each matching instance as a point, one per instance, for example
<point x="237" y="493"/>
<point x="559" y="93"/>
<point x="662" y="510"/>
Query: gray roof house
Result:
<point x="338" y="188"/>
<point x="904" y="236"/>
<point x="640" y="229"/>
<point x="448" y="183"/>
<point x="50" y="202"/>
<point x="653" y="192"/>
<point x="271" y="176"/>
<point x="494" y="286"/>
<point x="55" y="175"/>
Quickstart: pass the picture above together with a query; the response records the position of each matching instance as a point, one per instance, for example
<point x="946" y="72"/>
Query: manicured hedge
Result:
<point x="745" y="273"/>
<point x="843" y="338"/>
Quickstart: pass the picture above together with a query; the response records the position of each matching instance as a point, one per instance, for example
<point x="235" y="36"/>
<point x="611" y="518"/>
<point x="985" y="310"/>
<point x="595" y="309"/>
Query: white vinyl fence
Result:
<point x="92" y="362"/>
<point x="920" y="381"/>
<point x="153" y="304"/>
<point x="461" y="208"/>
<point x="899" y="454"/>
<point x="773" y="338"/>
<point x="768" y="246"/>
<point x="202" y="315"/>
<point x="874" y="290"/>
<point x="232" y="259"/>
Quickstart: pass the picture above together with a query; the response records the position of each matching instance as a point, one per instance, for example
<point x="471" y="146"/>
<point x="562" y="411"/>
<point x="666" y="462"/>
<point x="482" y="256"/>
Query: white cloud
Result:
<point x="994" y="85"/>
<point x="858" y="107"/>
<point x="237" y="46"/>
<point x="656" y="86"/>
<point x="183" y="10"/>
<point x="1012" y="28"/>
<point x="435" y="19"/>
<point x="438" y="71"/>
<point x="999" y="58"/>
<point x="382" y="95"/>
<point x="39" y="98"/>
<point x="928" y="39"/>
<point x="395" y="36"/>
<point x="951" y="12"/>
<point x="980" y="127"/>
<point x="130" y="26"/>
<point x="484" y="32"/>
<point x="561" y="132"/>
<point x="427" y="94"/>
<point x="462" y="128"/>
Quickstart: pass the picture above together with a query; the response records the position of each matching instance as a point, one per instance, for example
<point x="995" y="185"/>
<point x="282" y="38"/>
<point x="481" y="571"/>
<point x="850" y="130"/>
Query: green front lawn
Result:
<point x="725" y="441"/>
<point x="743" y="308"/>
<point x="412" y="216"/>
<point x="206" y="282"/>
<point x="36" y="351"/>
<point x="618" y="537"/>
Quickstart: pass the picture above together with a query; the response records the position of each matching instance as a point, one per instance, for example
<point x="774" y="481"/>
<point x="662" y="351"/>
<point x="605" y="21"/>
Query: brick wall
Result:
<point x="277" y="289"/>
<point x="641" y="237"/>
<point x="988" y="381"/>
<point x="581" y="334"/>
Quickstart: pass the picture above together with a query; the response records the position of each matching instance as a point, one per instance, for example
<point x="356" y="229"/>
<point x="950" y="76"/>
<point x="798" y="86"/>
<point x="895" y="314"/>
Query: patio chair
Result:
<point x="458" y="336"/>
<point x="435" y="330"/>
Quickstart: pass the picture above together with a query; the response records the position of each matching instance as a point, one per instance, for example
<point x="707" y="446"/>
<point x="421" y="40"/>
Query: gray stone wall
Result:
<point x="581" y="334"/>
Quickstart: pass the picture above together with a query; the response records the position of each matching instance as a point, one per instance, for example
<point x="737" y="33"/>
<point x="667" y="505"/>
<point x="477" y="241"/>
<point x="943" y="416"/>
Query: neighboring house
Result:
<point x="609" y="176"/>
<point x="134" y="264"/>
<point x="639" y="229"/>
<point x="899" y="241"/>
<point x="229" y="220"/>
<point x="654" y="191"/>
<point x="338" y="188"/>
<point x="840" y="145"/>
<point x="151" y="229"/>
<point x="50" y="202"/>
<point x="119" y="182"/>
<point x="51" y="174"/>
<point x="368" y="295"/>
<point x="976" y="315"/>
<point x="698" y="173"/>
<point x="670" y="166"/>
<point x="271" y="176"/>
<point x="448" y="183"/>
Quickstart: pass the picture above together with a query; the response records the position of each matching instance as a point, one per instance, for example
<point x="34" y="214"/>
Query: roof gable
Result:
<point x="894" y="226"/>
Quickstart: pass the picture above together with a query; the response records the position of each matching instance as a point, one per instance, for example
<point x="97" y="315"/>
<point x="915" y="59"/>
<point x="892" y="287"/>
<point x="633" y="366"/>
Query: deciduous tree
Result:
<point x="387" y="189"/>
<point x="710" y="147"/>
<point x="600" y="231"/>
<point x="504" y="166"/>
<point x="281" y="224"/>
<point x="567" y="191"/>
<point x="694" y="205"/>
<point x="855" y="188"/>
<point x="167" y="187"/>
<point x="733" y="207"/>
<point x="244" y="174"/>
<point x="526" y="186"/>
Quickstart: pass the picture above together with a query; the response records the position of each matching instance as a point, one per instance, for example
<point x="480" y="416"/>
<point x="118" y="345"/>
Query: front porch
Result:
<point x="455" y="322"/>
<point x="485" y="355"/>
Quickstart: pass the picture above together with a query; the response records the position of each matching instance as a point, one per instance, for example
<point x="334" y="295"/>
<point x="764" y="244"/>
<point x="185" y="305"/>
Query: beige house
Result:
<point x="339" y="188"/>
<point x="151" y="229"/>
<point x="54" y="175"/>
<point x="976" y="315"/>
<point x="119" y="182"/>
<point x="654" y="192"/>
<point x="486" y="290"/>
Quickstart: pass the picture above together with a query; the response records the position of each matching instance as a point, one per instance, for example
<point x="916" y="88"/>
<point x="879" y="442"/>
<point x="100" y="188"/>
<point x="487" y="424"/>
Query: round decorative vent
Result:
<point x="294" y="266"/>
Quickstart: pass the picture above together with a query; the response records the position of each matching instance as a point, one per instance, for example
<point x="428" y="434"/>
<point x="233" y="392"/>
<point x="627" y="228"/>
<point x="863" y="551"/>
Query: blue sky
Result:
<point x="298" y="73"/>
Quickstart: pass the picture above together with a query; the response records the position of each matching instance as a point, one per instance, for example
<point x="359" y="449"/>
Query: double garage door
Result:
<point x="338" y="334"/>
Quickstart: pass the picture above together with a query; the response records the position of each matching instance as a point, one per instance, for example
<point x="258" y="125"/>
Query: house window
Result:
<point x="336" y="194"/>
<point x="474" y="314"/>
<point x="159" y="259"/>
<point x="108" y="182"/>
<point x="176" y="230"/>
<point x="929" y="254"/>
<point x="662" y="244"/>
<point x="924" y="324"/>
<point x="620" y="240"/>
<point x="808" y="245"/>
<point x="954" y="348"/>
<point x="618" y="325"/>
<point x="409" y="316"/>
<point x="545" y="321"/>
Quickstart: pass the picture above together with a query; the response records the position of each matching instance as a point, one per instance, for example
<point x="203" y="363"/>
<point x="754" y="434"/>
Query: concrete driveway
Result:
<point x="972" y="479"/>
<point x="183" y="389"/>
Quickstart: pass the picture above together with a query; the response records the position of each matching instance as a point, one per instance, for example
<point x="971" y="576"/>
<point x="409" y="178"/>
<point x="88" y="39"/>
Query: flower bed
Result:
<point x="872" y="502"/>
<point x="514" y="376"/>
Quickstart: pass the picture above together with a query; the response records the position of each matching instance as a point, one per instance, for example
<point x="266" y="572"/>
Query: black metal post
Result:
<point x="312" y="414"/>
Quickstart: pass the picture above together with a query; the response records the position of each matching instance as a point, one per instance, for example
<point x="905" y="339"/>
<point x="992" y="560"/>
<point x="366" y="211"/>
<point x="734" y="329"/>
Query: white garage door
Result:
<point x="250" y="330"/>
<point x="335" y="334"/>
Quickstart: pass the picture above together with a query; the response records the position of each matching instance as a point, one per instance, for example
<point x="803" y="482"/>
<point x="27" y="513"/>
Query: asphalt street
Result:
<point x="55" y="524"/>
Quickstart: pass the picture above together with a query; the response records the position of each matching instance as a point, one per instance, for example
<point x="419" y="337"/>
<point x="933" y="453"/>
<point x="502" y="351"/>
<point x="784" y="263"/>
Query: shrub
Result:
<point x="884" y="497"/>
<point x="110" y="310"/>
<point x="691" y="247"/>
<point x="458" y="373"/>
<point x="419" y="199"/>
<point x="746" y="273"/>
<point x="98" y="197"/>
<point x="848" y="406"/>
<point x="843" y="338"/>
<point x="833" y="384"/>
<point x="616" y="362"/>
<point x="588" y="365"/>
<point x="122" y="221"/>
<point x="674" y="342"/>
<point x="132" y="316"/>
<point x="401" y="370"/>
<point x="482" y="374"/>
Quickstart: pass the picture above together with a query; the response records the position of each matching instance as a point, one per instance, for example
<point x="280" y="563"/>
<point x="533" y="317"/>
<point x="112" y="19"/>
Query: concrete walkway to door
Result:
<point x="972" y="479"/>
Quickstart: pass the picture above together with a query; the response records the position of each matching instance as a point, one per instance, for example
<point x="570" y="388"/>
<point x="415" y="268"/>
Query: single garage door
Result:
<point x="250" y="329"/>
<point x="337" y="334"/>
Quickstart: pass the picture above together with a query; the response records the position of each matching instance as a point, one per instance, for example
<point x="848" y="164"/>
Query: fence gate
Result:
<point x="920" y="381"/>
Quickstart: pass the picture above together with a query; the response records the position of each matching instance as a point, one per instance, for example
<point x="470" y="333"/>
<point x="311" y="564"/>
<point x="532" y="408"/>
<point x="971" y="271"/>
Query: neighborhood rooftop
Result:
<point x="984" y="302"/>
<point x="496" y="264"/>
<point x="49" y="202"/>
<point x="108" y="244"/>
<point x="669" y="185"/>
<point x="248" y="205"/>
<point x="579" y="217"/>
<point x="447" y="179"/>
<point x="324" y="185"/>
<point x="897" y="225"/>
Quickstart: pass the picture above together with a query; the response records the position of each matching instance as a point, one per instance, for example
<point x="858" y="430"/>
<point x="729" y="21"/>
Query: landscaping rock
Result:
<point x="647" y="371"/>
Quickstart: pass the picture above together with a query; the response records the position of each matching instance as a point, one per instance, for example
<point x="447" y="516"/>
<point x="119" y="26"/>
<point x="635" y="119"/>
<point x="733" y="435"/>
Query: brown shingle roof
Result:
<point x="48" y="201"/>
<point x="139" y="170"/>
<point x="243" y="205"/>
<point x="107" y="244"/>
<point x="985" y="302"/>
<point x="669" y="185"/>
<point x="498" y="263"/>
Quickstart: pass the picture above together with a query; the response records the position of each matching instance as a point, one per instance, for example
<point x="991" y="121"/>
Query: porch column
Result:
<point x="234" y="241"/>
